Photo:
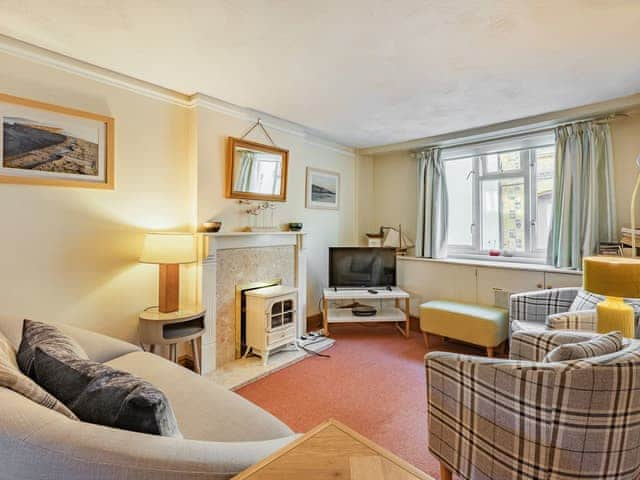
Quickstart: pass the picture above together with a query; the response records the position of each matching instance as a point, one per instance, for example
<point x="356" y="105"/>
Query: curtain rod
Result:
<point x="600" y="119"/>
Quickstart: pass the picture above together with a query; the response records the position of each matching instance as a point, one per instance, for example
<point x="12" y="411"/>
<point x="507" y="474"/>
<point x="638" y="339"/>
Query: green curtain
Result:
<point x="433" y="208"/>
<point x="583" y="211"/>
<point x="247" y="171"/>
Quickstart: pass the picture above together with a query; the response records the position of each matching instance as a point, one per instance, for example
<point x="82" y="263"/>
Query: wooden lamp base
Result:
<point x="169" y="287"/>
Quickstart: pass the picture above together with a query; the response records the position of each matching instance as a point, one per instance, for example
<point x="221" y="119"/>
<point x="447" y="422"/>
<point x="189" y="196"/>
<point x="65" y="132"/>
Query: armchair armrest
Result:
<point x="475" y="410"/>
<point x="583" y="320"/>
<point x="533" y="345"/>
<point x="536" y="306"/>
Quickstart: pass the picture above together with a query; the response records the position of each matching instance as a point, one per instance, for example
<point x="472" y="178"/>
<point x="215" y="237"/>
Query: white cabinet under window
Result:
<point x="270" y="320"/>
<point x="490" y="280"/>
<point x="561" y="280"/>
<point x="427" y="279"/>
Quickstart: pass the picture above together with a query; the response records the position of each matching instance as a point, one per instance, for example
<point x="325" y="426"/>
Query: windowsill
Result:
<point x="513" y="263"/>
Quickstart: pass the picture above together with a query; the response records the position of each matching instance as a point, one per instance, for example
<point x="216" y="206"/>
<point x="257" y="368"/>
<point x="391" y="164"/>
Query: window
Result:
<point x="500" y="200"/>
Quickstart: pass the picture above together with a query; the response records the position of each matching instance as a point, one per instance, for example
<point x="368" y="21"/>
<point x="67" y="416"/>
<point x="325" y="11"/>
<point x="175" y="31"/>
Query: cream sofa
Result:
<point x="223" y="433"/>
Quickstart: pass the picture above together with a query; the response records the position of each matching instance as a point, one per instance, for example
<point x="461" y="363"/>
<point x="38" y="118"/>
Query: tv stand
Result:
<point x="331" y="314"/>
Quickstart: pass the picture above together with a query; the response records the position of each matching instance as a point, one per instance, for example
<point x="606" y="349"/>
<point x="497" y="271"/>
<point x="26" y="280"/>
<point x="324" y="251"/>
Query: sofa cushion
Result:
<point x="98" y="393"/>
<point x="205" y="411"/>
<point x="35" y="334"/>
<point x="601" y="345"/>
<point x="11" y="377"/>
<point x="587" y="301"/>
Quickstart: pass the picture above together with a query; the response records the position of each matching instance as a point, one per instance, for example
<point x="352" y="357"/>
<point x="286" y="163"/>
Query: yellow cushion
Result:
<point x="477" y="324"/>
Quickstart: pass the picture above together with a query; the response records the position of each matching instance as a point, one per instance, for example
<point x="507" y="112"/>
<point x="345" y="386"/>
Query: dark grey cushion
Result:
<point x="36" y="334"/>
<point x="601" y="345"/>
<point x="97" y="393"/>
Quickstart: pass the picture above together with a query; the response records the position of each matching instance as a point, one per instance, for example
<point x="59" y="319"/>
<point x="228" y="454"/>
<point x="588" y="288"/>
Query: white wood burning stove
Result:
<point x="270" y="320"/>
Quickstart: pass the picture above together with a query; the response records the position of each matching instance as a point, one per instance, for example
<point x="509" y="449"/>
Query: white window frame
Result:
<point x="477" y="175"/>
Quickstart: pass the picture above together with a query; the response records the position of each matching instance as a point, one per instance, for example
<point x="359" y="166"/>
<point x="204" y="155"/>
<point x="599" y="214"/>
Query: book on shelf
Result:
<point x="627" y="234"/>
<point x="613" y="249"/>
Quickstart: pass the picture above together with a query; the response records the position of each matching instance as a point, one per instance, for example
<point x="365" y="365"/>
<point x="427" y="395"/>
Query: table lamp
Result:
<point x="169" y="250"/>
<point x="615" y="278"/>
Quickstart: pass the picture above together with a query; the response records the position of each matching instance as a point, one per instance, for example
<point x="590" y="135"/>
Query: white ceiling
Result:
<point x="360" y="72"/>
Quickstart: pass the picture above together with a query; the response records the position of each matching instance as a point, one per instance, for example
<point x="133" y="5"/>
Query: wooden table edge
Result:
<point x="339" y="425"/>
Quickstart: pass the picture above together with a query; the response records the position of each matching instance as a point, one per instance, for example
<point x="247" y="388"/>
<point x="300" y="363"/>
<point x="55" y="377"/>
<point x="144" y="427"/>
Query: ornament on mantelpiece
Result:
<point x="261" y="216"/>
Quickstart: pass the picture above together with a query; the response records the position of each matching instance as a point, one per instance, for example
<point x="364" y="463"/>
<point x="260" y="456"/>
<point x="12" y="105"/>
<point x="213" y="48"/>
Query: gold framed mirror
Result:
<point x="256" y="171"/>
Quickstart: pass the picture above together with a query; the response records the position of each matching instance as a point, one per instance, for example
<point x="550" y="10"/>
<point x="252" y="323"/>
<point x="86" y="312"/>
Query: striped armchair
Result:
<point x="493" y="419"/>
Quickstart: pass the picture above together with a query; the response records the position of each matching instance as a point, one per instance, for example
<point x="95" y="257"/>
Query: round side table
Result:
<point x="184" y="325"/>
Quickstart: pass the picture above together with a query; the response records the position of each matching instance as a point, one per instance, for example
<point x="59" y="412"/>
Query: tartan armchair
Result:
<point x="550" y="308"/>
<point x="493" y="419"/>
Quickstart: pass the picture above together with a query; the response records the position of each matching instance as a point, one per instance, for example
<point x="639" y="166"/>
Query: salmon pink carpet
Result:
<point x="374" y="382"/>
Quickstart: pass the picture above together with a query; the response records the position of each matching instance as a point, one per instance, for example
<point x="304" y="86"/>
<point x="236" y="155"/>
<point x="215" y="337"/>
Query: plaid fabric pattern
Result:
<point x="492" y="419"/>
<point x="586" y="320"/>
<point x="536" y="306"/>
<point x="534" y="344"/>
<point x="600" y="345"/>
<point x="587" y="301"/>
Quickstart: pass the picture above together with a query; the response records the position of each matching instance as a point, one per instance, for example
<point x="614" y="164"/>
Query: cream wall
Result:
<point x="626" y="148"/>
<point x="365" y="201"/>
<point x="70" y="254"/>
<point x="395" y="191"/>
<point x="323" y="227"/>
<point x="395" y="184"/>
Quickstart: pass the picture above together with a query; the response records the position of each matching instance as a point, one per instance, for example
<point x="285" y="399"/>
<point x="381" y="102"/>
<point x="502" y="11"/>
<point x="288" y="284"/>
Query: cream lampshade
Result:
<point x="169" y="250"/>
<point x="615" y="278"/>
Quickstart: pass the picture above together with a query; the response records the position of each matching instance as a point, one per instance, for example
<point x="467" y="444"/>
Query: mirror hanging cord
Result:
<point x="259" y="124"/>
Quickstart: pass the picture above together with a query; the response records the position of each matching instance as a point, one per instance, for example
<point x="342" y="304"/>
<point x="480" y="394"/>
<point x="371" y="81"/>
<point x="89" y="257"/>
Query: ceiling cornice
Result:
<point x="512" y="127"/>
<point x="49" y="58"/>
<point x="71" y="65"/>
<point x="269" y="121"/>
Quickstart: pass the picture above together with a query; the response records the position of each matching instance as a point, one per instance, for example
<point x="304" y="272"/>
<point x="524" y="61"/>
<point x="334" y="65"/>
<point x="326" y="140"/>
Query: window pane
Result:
<point x="502" y="162"/>
<point x="491" y="163"/>
<point x="545" y="165"/>
<point x="502" y="214"/>
<point x="460" y="189"/>
<point x="510" y="161"/>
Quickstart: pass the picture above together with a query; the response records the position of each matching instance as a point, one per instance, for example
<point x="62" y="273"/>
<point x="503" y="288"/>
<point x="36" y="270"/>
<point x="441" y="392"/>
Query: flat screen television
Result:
<point x="362" y="267"/>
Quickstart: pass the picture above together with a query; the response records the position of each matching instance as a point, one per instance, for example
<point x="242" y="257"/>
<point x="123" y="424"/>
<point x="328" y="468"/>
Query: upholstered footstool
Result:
<point x="480" y="325"/>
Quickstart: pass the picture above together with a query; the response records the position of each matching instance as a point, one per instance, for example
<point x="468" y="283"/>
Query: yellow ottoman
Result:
<point x="477" y="324"/>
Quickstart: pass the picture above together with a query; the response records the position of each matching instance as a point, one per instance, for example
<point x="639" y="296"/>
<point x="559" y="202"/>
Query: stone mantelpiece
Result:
<point x="228" y="259"/>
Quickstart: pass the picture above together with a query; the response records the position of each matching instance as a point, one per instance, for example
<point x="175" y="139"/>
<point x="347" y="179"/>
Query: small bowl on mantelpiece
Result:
<point x="295" y="226"/>
<point x="212" y="227"/>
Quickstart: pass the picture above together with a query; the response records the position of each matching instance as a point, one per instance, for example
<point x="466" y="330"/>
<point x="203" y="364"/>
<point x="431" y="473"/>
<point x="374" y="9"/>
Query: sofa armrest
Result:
<point x="100" y="348"/>
<point x="36" y="442"/>
<point x="536" y="306"/>
<point x="533" y="345"/>
<point x="481" y="411"/>
<point x="583" y="320"/>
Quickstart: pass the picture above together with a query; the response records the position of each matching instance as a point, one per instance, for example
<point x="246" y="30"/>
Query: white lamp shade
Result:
<point x="166" y="248"/>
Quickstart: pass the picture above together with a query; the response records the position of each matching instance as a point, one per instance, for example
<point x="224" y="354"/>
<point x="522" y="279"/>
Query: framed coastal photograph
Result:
<point x="44" y="144"/>
<point x="323" y="189"/>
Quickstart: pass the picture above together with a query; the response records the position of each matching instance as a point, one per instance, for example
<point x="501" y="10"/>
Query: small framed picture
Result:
<point x="44" y="144"/>
<point x="323" y="189"/>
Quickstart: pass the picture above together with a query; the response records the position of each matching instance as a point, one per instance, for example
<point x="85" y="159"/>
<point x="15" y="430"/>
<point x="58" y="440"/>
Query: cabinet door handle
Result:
<point x="539" y="285"/>
<point x="549" y="286"/>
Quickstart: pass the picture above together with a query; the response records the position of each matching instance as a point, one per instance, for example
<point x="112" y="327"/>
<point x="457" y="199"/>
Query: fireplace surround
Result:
<point x="232" y="260"/>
